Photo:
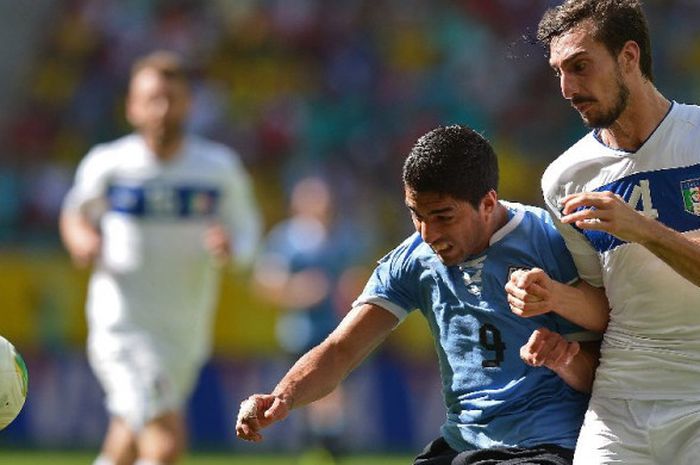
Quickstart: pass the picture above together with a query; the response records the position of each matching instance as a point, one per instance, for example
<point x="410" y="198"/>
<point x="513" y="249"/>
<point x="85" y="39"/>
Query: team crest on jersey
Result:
<point x="512" y="269"/>
<point x="471" y="275"/>
<point x="691" y="196"/>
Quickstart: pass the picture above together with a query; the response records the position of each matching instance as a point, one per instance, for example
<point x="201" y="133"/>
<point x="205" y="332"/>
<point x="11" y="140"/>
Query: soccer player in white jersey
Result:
<point x="514" y="388"/>
<point x="157" y="213"/>
<point x="626" y="198"/>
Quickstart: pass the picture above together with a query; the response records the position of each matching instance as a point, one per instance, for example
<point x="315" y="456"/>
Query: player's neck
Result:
<point x="499" y="218"/>
<point x="645" y="111"/>
<point x="164" y="149"/>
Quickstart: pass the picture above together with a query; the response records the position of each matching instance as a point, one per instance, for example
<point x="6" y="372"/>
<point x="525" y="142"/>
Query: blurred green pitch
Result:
<point x="28" y="457"/>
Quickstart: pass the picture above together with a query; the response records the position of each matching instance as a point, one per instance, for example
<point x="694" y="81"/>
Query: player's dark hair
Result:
<point x="166" y="63"/>
<point x="453" y="160"/>
<point x="614" y="23"/>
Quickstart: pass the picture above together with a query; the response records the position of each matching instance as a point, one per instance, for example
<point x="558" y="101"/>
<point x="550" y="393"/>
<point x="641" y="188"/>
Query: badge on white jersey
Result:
<point x="691" y="195"/>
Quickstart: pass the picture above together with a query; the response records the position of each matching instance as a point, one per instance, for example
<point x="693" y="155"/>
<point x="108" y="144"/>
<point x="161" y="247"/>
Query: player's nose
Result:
<point x="428" y="232"/>
<point x="567" y="85"/>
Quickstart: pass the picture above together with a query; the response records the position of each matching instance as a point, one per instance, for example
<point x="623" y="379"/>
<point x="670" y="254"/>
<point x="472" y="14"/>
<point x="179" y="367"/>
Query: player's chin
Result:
<point x="448" y="258"/>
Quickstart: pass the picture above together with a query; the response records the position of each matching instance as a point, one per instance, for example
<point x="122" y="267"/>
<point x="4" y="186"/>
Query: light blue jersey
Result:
<point x="492" y="397"/>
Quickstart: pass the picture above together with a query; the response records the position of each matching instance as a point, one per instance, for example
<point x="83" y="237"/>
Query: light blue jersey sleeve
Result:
<point x="554" y="254"/>
<point x="392" y="285"/>
<point x="557" y="262"/>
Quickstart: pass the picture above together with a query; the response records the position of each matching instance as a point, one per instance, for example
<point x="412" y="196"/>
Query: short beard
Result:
<point x="170" y="135"/>
<point x="607" y="120"/>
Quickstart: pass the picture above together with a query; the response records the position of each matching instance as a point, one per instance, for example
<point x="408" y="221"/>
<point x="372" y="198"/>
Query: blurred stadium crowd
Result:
<point x="342" y="88"/>
<point x="339" y="89"/>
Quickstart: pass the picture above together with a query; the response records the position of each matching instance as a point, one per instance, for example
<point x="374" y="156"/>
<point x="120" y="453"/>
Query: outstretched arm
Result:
<point x="533" y="292"/>
<point x="574" y="362"/>
<point x="319" y="371"/>
<point x="80" y="237"/>
<point x="605" y="211"/>
<point x="217" y="242"/>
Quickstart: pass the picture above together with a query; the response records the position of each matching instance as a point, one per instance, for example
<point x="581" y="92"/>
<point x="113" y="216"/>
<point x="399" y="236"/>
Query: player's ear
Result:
<point x="629" y="56"/>
<point x="488" y="203"/>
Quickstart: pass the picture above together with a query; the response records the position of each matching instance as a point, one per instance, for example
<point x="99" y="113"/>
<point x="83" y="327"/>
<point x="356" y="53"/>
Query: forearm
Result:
<point x="580" y="372"/>
<point x="608" y="212"/>
<point x="80" y="237"/>
<point x="583" y="304"/>
<point x="316" y="374"/>
<point x="324" y="367"/>
<point x="292" y="291"/>
<point x="680" y="252"/>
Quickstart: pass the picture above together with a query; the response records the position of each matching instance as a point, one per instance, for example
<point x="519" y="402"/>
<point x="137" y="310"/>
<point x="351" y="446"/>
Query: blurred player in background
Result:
<point x="626" y="198"/>
<point x="303" y="266"/>
<point x="157" y="213"/>
<point x="514" y="388"/>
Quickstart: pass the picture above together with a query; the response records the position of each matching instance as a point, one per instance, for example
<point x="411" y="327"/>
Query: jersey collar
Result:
<point x="516" y="217"/>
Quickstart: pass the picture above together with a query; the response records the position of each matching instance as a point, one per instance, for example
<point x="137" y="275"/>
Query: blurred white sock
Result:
<point x="102" y="460"/>
<point x="147" y="462"/>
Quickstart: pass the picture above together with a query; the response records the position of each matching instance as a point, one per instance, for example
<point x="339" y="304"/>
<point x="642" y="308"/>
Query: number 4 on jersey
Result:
<point x="643" y="193"/>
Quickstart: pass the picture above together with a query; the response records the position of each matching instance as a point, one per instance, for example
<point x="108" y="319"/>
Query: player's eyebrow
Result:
<point x="440" y="211"/>
<point x="567" y="60"/>
<point x="437" y="211"/>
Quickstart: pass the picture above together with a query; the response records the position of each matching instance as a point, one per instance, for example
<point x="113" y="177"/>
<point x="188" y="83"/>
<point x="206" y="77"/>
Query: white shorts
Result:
<point x="638" y="432"/>
<point x="141" y="382"/>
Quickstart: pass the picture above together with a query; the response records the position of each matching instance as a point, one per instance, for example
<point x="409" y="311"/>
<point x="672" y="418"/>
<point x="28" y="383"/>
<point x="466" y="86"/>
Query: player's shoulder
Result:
<point x="532" y="213"/>
<point x="407" y="254"/>
<point x="686" y="111"/>
<point x="529" y="218"/>
<point x="686" y="114"/>
<point x="117" y="145"/>
<point x="213" y="153"/>
<point x="574" y="170"/>
<point x="112" y="153"/>
<point x="526" y="209"/>
<point x="563" y="166"/>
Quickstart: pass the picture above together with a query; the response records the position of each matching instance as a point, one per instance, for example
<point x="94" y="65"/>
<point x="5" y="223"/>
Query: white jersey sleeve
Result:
<point x="240" y="212"/>
<point x="90" y="185"/>
<point x="585" y="256"/>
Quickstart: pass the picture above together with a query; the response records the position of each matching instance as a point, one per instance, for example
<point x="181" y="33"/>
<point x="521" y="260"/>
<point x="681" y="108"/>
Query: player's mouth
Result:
<point x="442" y="249"/>
<point x="582" y="105"/>
<point x="440" y="246"/>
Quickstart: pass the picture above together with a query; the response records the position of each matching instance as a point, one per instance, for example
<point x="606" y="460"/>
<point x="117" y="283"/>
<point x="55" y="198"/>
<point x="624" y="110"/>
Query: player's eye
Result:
<point x="579" y="66"/>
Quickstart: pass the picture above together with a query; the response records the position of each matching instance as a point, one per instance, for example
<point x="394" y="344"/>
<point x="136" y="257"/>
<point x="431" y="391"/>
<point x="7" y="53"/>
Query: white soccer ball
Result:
<point x="14" y="381"/>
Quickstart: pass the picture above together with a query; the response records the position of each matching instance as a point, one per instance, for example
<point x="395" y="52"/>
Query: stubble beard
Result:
<point x="608" y="119"/>
<point x="167" y="136"/>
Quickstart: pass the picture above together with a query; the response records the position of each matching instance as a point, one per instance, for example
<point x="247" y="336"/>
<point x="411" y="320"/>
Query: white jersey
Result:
<point x="651" y="349"/>
<point x="154" y="280"/>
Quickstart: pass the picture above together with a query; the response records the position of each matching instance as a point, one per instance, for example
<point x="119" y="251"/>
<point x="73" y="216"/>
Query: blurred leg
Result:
<point x="163" y="439"/>
<point x="119" y="446"/>
<point x="326" y="420"/>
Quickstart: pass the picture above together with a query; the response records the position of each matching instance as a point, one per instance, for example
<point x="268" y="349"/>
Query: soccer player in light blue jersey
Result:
<point x="626" y="198"/>
<point x="515" y="389"/>
<point x="156" y="213"/>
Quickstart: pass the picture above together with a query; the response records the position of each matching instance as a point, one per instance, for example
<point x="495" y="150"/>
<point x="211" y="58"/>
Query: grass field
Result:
<point x="17" y="457"/>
